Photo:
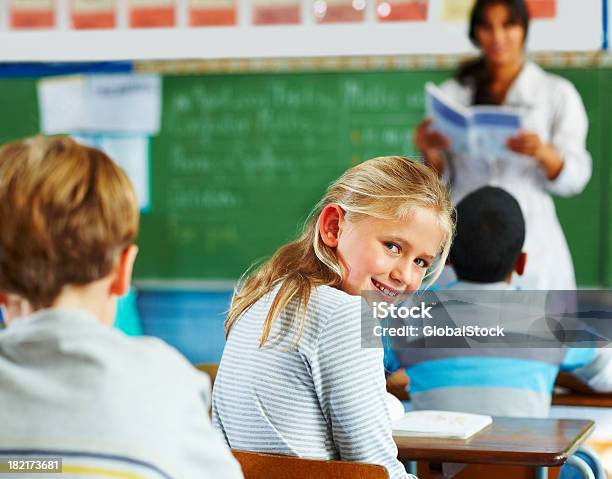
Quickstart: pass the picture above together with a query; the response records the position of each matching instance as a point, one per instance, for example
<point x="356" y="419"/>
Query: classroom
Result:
<point x="229" y="184"/>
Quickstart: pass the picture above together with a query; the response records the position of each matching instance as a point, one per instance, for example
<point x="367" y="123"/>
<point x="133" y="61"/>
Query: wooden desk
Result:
<point x="558" y="399"/>
<point x="511" y="441"/>
<point x="582" y="400"/>
<point x="577" y="393"/>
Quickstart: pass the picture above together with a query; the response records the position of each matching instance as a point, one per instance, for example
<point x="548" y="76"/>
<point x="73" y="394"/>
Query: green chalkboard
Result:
<point x="19" y="107"/>
<point x="582" y="216"/>
<point x="605" y="95"/>
<point x="242" y="158"/>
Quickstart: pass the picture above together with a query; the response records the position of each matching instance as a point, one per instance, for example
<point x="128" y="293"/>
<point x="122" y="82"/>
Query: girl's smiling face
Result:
<point x="387" y="256"/>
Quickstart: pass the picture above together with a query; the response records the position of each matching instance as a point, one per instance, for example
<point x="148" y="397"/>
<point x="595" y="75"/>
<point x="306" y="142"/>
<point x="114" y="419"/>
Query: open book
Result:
<point x="440" y="424"/>
<point x="475" y="130"/>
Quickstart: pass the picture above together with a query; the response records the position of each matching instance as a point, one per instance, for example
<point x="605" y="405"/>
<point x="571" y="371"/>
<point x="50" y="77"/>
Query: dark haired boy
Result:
<point x="486" y="252"/>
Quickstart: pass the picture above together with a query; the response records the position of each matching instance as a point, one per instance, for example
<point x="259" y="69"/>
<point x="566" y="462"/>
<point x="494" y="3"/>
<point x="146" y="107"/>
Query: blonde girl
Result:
<point x="294" y="378"/>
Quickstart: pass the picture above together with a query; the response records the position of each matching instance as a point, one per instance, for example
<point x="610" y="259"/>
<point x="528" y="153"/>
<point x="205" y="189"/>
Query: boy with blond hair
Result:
<point x="69" y="383"/>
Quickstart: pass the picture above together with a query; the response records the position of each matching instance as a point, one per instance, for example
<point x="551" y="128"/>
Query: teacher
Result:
<point x="547" y="157"/>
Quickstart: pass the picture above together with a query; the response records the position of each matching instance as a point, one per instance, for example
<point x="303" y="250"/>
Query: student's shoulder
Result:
<point x="334" y="307"/>
<point x="156" y="355"/>
<point x="331" y="299"/>
<point x="155" y="349"/>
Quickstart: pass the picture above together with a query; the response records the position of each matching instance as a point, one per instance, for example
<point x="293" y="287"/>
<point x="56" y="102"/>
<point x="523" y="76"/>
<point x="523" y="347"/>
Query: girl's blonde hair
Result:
<point x="388" y="187"/>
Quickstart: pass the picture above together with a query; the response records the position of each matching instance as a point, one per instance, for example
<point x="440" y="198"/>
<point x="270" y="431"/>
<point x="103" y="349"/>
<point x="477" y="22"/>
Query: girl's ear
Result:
<point x="330" y="224"/>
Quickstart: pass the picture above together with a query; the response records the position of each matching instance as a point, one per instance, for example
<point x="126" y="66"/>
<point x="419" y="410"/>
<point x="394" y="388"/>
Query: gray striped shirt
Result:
<point x="324" y="399"/>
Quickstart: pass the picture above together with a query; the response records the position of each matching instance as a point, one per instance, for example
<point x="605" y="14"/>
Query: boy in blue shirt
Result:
<point x="486" y="252"/>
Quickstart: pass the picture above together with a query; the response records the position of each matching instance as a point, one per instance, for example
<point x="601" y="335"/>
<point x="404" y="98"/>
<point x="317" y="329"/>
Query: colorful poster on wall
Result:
<point x="459" y="10"/>
<point x="32" y="14"/>
<point x="542" y="8"/>
<point x="456" y="10"/>
<point x="89" y="14"/>
<point x="212" y="12"/>
<point x="275" y="12"/>
<point x="152" y="13"/>
<point x="334" y="11"/>
<point x="408" y="10"/>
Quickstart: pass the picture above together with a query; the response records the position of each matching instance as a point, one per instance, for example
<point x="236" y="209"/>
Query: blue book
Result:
<point x="477" y="130"/>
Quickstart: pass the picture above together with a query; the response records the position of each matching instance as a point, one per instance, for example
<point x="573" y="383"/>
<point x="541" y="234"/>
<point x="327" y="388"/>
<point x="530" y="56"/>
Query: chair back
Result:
<point x="210" y="369"/>
<point x="257" y="465"/>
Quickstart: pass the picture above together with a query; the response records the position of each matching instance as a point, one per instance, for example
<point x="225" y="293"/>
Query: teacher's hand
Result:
<point x="526" y="143"/>
<point x="529" y="143"/>
<point x="431" y="143"/>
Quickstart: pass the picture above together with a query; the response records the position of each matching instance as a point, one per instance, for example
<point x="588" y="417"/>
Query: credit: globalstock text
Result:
<point x="385" y="310"/>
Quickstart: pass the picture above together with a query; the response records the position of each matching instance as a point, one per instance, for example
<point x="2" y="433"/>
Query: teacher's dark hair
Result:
<point x="519" y="15"/>
<point x="475" y="71"/>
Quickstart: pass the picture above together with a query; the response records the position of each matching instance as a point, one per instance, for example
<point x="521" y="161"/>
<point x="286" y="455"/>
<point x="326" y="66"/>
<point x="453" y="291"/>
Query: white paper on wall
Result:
<point x="100" y="103"/>
<point x="124" y="103"/>
<point x="61" y="104"/>
<point x="131" y="153"/>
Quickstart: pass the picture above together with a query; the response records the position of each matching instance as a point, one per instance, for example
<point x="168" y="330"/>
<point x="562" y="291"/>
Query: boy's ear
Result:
<point x="330" y="224"/>
<point x="122" y="277"/>
<point x="519" y="265"/>
<point x="14" y="306"/>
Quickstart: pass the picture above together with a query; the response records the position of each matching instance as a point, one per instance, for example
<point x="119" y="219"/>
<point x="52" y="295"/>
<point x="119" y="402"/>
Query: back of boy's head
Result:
<point x="489" y="236"/>
<point x="66" y="213"/>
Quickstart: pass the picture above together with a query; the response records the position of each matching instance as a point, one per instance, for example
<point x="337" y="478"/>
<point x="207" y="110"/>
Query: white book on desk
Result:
<point x="440" y="424"/>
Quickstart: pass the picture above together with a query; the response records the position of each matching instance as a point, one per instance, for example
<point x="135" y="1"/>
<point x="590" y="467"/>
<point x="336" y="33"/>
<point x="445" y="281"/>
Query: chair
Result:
<point x="210" y="369"/>
<point x="257" y="465"/>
